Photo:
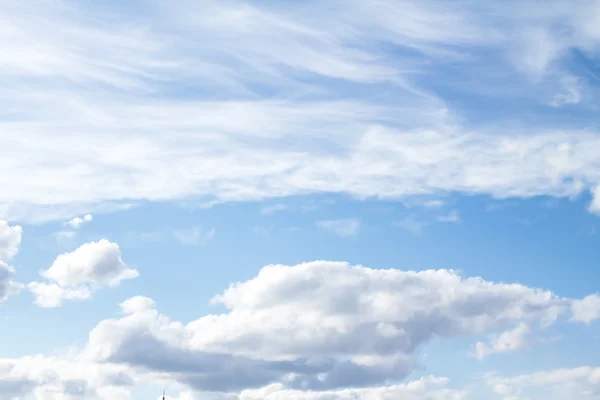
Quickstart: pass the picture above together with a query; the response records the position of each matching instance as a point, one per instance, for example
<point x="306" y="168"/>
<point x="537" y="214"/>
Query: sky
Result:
<point x="298" y="200"/>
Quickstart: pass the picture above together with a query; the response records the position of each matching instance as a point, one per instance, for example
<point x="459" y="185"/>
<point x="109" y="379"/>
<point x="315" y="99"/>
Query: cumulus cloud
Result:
<point x="595" y="204"/>
<point x="76" y="222"/>
<point x="319" y="326"/>
<point x="10" y="240"/>
<point x="68" y="376"/>
<point x="587" y="309"/>
<point x="63" y="377"/>
<point x="76" y="275"/>
<point x="340" y="227"/>
<point x="506" y="342"/>
<point x="325" y="329"/>
<point x="430" y="388"/>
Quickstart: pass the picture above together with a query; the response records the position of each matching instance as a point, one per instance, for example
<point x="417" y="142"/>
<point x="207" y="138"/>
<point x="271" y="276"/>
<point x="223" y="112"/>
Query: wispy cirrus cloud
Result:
<point x="109" y="88"/>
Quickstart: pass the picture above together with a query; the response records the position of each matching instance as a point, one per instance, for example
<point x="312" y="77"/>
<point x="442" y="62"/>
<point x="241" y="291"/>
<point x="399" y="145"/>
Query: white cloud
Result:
<point x="506" y="342"/>
<point x="76" y="275"/>
<point x="340" y="227"/>
<point x="452" y="217"/>
<point x="587" y="309"/>
<point x="63" y="377"/>
<point x="567" y="383"/>
<point x="322" y="328"/>
<point x="76" y="222"/>
<point x="10" y="240"/>
<point x="89" y="87"/>
<point x="430" y="388"/>
<point x="595" y="204"/>
<point x="320" y="325"/>
<point x="194" y="236"/>
<point x="433" y="204"/>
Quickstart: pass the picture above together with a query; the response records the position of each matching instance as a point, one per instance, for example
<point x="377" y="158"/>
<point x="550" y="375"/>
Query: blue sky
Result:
<point x="289" y="200"/>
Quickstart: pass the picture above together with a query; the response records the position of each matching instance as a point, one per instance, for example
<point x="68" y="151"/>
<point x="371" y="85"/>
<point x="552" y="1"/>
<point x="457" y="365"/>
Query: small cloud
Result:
<point x="194" y="236"/>
<point x="76" y="222"/>
<point x="433" y="204"/>
<point x="505" y="342"/>
<point x="340" y="227"/>
<point x="273" y="209"/>
<point x="594" y="206"/>
<point x="452" y="217"/>
<point x="76" y="275"/>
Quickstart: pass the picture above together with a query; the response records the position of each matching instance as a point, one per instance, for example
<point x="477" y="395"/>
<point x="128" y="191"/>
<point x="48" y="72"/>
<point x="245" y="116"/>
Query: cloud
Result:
<point x="194" y="236"/>
<point x="433" y="204"/>
<point x="113" y="100"/>
<point x="595" y="204"/>
<point x="10" y="240"/>
<point x="557" y="384"/>
<point x="452" y="217"/>
<point x="587" y="309"/>
<point x="431" y="388"/>
<point x="63" y="377"/>
<point x="76" y="222"/>
<point x="340" y="227"/>
<point x="506" y="342"/>
<point x="76" y="275"/>
<point x="68" y="376"/>
<point x="319" y="326"/>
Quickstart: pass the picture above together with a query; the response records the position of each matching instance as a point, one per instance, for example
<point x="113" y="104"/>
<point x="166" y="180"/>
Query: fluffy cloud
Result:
<point x="320" y="326"/>
<point x="508" y="341"/>
<point x="340" y="227"/>
<point x="76" y="222"/>
<point x="325" y="329"/>
<point x="595" y="204"/>
<point x="63" y="377"/>
<point x="75" y="275"/>
<point x="587" y="309"/>
<point x="10" y="240"/>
